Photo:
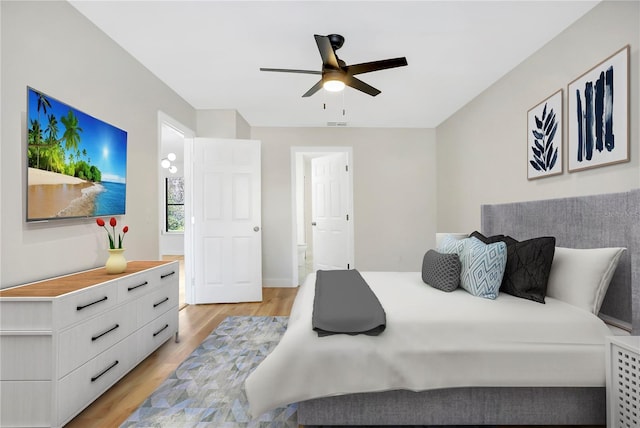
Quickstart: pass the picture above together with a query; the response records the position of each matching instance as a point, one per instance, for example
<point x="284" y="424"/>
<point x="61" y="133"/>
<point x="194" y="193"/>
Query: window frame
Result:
<point x="167" y="205"/>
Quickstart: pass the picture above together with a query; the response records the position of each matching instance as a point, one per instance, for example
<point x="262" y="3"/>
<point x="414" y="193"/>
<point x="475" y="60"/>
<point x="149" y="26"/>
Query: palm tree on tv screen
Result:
<point x="54" y="148"/>
<point x="43" y="105"/>
<point x="71" y="136"/>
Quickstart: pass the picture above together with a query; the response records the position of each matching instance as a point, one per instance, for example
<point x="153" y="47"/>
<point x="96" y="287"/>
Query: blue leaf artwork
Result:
<point x="545" y="155"/>
<point x="544" y="137"/>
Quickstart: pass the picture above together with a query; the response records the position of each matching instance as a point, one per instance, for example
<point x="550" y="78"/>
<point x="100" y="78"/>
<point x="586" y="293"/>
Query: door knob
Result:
<point x="256" y="229"/>
<point x="313" y="223"/>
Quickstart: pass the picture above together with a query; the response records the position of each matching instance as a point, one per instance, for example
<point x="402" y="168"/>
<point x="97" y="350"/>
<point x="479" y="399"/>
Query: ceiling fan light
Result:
<point x="333" y="85"/>
<point x="173" y="169"/>
<point x="171" y="156"/>
<point x="165" y="163"/>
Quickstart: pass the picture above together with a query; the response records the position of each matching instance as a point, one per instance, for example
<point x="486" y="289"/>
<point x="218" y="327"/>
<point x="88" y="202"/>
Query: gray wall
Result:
<point x="399" y="187"/>
<point x="394" y="195"/>
<point x="221" y="123"/>
<point x="482" y="149"/>
<point x="53" y="48"/>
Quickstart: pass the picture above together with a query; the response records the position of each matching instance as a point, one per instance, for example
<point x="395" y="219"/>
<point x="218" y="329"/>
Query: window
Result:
<point x="174" y="204"/>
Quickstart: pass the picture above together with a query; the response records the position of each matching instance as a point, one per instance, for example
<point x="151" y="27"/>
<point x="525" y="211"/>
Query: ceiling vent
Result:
<point x="336" y="124"/>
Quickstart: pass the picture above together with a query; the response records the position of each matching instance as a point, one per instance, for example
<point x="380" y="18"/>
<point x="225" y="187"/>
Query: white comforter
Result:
<point x="432" y="340"/>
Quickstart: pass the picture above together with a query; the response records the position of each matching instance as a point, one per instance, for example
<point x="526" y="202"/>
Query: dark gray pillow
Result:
<point x="441" y="271"/>
<point x="528" y="265"/>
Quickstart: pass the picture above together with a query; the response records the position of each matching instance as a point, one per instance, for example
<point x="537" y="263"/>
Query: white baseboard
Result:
<point x="278" y="283"/>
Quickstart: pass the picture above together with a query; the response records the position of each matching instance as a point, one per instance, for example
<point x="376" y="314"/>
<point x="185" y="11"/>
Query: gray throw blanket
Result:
<point x="344" y="303"/>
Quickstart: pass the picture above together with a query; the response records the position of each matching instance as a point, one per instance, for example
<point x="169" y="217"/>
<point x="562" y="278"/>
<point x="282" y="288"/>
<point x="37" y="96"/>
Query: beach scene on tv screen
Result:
<point x="77" y="164"/>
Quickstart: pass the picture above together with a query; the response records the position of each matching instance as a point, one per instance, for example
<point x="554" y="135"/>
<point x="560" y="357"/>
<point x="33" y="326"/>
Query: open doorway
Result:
<point x="322" y="203"/>
<point x="173" y="215"/>
<point x="172" y="193"/>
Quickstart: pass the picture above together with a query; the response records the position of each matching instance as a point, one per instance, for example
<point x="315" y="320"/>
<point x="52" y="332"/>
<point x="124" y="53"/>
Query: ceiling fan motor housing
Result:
<point x="336" y="41"/>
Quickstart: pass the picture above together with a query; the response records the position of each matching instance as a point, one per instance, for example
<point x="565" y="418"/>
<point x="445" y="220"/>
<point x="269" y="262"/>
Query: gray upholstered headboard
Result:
<point x="609" y="220"/>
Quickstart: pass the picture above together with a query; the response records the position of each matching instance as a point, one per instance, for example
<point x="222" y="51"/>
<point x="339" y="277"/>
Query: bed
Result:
<point x="464" y="383"/>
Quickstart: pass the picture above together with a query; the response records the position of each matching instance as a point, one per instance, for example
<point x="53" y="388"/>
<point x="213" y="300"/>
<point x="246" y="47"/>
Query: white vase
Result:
<point x="116" y="263"/>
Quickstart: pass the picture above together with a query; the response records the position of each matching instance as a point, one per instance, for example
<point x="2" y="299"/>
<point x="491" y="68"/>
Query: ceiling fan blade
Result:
<point x="287" y="70"/>
<point x="326" y="52"/>
<point x="360" y="85"/>
<point x="315" y="88"/>
<point x="367" y="67"/>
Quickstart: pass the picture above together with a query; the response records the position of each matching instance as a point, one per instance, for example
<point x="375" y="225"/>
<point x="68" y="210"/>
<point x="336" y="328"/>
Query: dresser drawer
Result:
<point x="29" y="315"/>
<point x="79" y="344"/>
<point x="83" y="385"/>
<point x="156" y="333"/>
<point x="26" y="357"/>
<point x="168" y="274"/>
<point x="156" y="303"/>
<point x="134" y="286"/>
<point x="81" y="305"/>
<point x="25" y="404"/>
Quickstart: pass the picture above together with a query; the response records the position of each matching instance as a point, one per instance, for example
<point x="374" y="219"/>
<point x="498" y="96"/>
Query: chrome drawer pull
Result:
<point x="166" y="326"/>
<point x="137" y="286"/>
<point x="103" y="333"/>
<point x="79" y="308"/>
<point x="166" y="299"/>
<point x="96" y="377"/>
<point x="167" y="274"/>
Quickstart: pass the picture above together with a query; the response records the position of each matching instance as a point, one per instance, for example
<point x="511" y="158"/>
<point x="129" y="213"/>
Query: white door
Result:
<point x="330" y="215"/>
<point x="226" y="213"/>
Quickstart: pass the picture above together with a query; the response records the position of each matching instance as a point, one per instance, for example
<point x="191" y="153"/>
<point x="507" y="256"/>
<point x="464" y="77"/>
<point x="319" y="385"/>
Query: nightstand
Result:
<point x="623" y="381"/>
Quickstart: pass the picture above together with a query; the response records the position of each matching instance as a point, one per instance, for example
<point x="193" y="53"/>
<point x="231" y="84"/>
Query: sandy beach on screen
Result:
<point x="53" y="195"/>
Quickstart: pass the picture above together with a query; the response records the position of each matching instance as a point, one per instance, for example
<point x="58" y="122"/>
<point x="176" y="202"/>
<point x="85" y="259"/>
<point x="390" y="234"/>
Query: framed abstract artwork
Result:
<point x="544" y="138"/>
<point x="598" y="114"/>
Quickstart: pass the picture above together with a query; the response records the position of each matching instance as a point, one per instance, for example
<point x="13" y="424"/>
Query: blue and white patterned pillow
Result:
<point x="482" y="267"/>
<point x="451" y="245"/>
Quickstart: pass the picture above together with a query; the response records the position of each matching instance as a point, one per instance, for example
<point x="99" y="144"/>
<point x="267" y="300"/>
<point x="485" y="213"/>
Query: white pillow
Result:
<point x="581" y="277"/>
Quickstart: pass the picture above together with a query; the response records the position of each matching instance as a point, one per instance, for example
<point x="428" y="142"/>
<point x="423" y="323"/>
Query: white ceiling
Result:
<point x="210" y="52"/>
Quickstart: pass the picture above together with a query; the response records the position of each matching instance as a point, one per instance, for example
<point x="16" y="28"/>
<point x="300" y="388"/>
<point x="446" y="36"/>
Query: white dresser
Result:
<point x="65" y="341"/>
<point x="623" y="381"/>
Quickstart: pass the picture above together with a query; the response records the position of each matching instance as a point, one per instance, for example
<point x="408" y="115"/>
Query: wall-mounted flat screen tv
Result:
<point x="77" y="164"/>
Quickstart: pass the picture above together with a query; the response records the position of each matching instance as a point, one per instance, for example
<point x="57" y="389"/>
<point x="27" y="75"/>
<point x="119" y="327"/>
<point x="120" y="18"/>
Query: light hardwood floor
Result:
<point x="196" y="322"/>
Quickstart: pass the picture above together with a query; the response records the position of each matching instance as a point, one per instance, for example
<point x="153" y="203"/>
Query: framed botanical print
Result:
<point x="544" y="138"/>
<point x="598" y="114"/>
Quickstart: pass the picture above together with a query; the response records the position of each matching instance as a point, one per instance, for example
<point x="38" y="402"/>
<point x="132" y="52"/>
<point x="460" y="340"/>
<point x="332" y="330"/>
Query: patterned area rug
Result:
<point x="207" y="389"/>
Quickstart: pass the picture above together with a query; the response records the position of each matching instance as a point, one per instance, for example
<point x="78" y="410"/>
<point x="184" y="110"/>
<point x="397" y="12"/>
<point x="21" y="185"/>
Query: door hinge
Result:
<point x="346" y="168"/>
<point x="347" y="217"/>
<point x="348" y="266"/>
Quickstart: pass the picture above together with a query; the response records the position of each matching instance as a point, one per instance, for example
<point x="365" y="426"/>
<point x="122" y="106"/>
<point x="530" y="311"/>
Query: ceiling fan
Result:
<point x="336" y="73"/>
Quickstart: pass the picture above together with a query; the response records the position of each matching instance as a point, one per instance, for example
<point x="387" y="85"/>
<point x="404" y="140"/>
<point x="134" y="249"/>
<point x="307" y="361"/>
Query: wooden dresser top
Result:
<point x="66" y="284"/>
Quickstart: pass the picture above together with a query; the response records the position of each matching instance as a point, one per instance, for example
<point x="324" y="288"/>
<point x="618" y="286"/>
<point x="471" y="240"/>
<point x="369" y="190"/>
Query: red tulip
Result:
<point x="100" y="222"/>
<point x="112" y="222"/>
<point x="121" y="237"/>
